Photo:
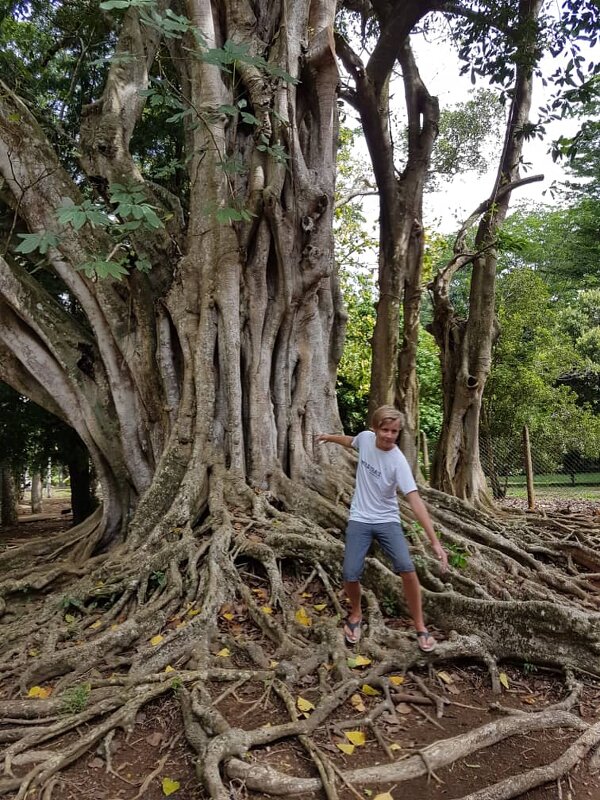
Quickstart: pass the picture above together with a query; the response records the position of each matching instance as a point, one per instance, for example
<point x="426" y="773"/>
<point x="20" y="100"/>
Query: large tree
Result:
<point x="170" y="293"/>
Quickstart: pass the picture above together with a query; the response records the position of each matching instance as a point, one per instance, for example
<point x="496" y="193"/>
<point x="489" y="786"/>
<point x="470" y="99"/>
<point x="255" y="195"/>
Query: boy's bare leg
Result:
<point x="412" y="593"/>
<point x="352" y="589"/>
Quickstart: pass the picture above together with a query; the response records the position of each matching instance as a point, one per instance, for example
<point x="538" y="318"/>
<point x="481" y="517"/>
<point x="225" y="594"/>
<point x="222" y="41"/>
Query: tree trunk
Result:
<point x="8" y="498"/>
<point x="466" y="345"/>
<point x="83" y="499"/>
<point x="225" y="353"/>
<point x="393" y="371"/>
<point x="36" y="492"/>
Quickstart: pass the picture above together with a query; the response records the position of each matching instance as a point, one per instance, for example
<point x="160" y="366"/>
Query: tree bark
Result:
<point x="36" y="492"/>
<point x="8" y="498"/>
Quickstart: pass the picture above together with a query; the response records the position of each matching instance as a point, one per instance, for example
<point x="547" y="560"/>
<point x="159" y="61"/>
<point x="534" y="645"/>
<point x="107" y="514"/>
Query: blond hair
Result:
<point x="383" y="413"/>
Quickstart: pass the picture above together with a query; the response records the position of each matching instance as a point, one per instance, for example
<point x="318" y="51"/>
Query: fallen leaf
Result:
<point x="303" y="618"/>
<point x="396" y="680"/>
<point x="304" y="705"/>
<point x="69" y="618"/>
<point x="267" y="610"/>
<point x="529" y="700"/>
<point x="356" y="737"/>
<point x="320" y="606"/>
<point x="193" y="611"/>
<point x="357" y="702"/>
<point x="273" y="663"/>
<point x="403" y="708"/>
<point x="445" y="677"/>
<point x="33" y="653"/>
<point x="169" y="668"/>
<point x="154" y="739"/>
<point x="384" y="796"/>
<point x="369" y="690"/>
<point x="348" y="749"/>
<point x="503" y="678"/>
<point x="169" y="786"/>
<point x="224" y="653"/>
<point x="228" y="615"/>
<point x="156" y="640"/>
<point x="40" y="691"/>
<point x="395" y="746"/>
<point x="306" y="594"/>
<point x="358" y="661"/>
<point x="97" y="624"/>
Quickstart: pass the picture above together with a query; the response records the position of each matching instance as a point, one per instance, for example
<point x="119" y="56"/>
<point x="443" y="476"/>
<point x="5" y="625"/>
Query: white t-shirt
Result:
<point x="379" y="475"/>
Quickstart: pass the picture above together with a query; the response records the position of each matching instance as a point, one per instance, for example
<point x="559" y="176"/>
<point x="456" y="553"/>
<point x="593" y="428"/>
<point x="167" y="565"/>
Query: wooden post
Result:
<point x="528" y="468"/>
<point x="425" y="452"/>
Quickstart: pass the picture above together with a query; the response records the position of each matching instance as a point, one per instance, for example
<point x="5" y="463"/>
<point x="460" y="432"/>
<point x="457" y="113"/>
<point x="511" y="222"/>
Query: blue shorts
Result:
<point x="360" y="535"/>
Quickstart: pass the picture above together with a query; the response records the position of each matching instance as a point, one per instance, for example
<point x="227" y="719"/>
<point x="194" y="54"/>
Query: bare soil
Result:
<point x="154" y="759"/>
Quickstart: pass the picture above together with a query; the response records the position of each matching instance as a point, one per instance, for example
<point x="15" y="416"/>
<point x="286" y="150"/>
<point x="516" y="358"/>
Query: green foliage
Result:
<point x="468" y="133"/>
<point x="458" y="557"/>
<point x="36" y="241"/>
<point x="74" y="700"/>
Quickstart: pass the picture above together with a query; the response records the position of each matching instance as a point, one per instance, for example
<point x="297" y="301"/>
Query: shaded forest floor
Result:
<point x="155" y="760"/>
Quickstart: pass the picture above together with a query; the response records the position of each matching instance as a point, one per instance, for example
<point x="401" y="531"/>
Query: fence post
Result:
<point x="528" y="468"/>
<point x="425" y="452"/>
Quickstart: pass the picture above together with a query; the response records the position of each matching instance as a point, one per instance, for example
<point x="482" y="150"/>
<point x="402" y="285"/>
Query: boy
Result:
<point x="382" y="470"/>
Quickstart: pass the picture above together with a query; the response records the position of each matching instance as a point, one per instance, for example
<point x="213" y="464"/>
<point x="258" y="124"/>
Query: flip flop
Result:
<point x="426" y="641"/>
<point x="352" y="631"/>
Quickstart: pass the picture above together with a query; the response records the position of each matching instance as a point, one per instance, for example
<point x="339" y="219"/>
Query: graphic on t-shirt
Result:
<point x="373" y="470"/>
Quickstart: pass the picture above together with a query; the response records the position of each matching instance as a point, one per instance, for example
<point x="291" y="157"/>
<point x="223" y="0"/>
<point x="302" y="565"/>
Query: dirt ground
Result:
<point x="154" y="760"/>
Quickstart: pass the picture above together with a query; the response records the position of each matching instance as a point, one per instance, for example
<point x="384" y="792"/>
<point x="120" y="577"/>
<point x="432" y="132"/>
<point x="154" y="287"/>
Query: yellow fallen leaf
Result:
<point x="503" y="678"/>
<point x="369" y="690"/>
<point x="228" y="615"/>
<point x="169" y="786"/>
<point x="356" y="737"/>
<point x="357" y="702"/>
<point x="395" y="746"/>
<point x="302" y="617"/>
<point x="42" y="692"/>
<point x="273" y="663"/>
<point x="97" y="624"/>
<point x="224" y="653"/>
<point x="193" y="611"/>
<point x="358" y="661"/>
<point x="114" y="626"/>
<point x="33" y="652"/>
<point x="69" y="618"/>
<point x="100" y="584"/>
<point x="304" y="705"/>
<point x="267" y="610"/>
<point x="384" y="796"/>
<point x="156" y="639"/>
<point x="306" y="594"/>
<point x="445" y="677"/>
<point x="529" y="700"/>
<point x="169" y="668"/>
<point x="396" y="680"/>
<point x="348" y="749"/>
<point x="320" y="606"/>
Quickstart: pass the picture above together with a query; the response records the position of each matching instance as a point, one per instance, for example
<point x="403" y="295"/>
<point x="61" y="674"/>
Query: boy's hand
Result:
<point x="322" y="437"/>
<point x="441" y="556"/>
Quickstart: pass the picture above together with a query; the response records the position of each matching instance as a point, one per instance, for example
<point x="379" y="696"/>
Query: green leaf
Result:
<point x="151" y="217"/>
<point x="228" y="214"/>
<point x="250" y="118"/>
<point x="36" y="241"/>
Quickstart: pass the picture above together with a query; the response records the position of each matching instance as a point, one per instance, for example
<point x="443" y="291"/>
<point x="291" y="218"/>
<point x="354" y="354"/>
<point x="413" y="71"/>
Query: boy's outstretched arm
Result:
<point x="419" y="509"/>
<point x="335" y="438"/>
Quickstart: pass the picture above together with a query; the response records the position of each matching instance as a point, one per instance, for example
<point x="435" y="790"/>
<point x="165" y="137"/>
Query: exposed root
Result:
<point x="248" y="603"/>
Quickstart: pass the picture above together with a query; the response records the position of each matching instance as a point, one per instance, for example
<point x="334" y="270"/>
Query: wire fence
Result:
<point x="511" y="462"/>
<point x="508" y="462"/>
